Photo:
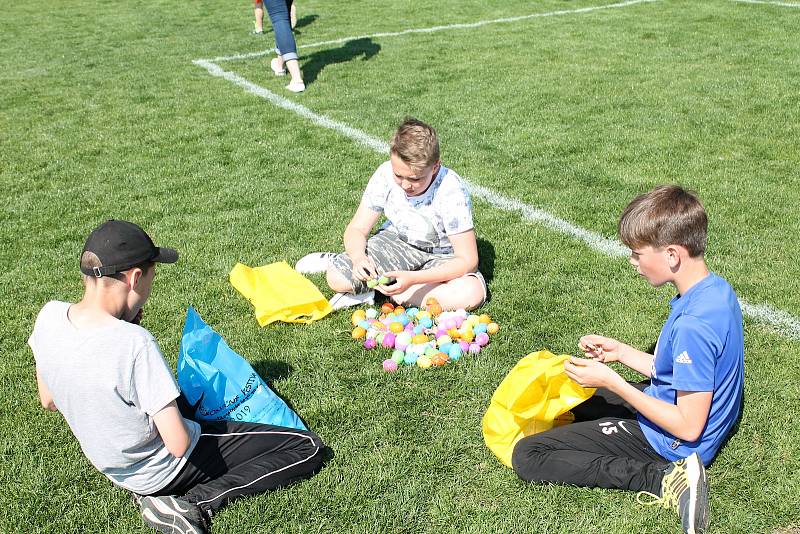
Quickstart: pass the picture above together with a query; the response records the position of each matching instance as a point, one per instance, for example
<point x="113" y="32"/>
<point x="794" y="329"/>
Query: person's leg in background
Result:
<point x="258" y="10"/>
<point x="285" y="44"/>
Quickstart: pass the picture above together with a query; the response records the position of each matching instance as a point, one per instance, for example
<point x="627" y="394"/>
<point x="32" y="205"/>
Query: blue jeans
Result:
<point x="278" y="11"/>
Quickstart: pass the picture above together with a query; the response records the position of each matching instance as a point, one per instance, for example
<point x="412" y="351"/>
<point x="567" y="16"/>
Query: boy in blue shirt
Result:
<point x="655" y="438"/>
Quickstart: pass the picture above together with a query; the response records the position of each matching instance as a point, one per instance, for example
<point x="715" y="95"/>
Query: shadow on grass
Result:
<point x="314" y="63"/>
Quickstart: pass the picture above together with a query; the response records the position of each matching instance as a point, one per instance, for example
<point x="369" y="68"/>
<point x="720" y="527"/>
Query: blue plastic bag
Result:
<point x="221" y="384"/>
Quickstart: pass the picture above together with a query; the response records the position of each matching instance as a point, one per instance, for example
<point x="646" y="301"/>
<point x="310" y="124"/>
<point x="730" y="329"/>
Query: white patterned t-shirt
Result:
<point x="423" y="221"/>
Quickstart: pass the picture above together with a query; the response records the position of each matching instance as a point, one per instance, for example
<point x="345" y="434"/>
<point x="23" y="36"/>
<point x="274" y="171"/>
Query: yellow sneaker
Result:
<point x="684" y="488"/>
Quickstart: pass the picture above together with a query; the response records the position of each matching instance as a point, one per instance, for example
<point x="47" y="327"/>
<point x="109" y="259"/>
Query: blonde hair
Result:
<point x="665" y="215"/>
<point x="416" y="143"/>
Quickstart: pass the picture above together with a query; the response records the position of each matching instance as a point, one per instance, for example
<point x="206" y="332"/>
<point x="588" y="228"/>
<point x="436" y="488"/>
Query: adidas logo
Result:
<point x="683" y="357"/>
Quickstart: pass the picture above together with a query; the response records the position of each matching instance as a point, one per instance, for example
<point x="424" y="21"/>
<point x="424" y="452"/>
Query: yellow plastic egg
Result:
<point x="492" y="328"/>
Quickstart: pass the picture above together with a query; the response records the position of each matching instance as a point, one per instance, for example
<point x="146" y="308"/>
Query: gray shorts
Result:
<point x="390" y="253"/>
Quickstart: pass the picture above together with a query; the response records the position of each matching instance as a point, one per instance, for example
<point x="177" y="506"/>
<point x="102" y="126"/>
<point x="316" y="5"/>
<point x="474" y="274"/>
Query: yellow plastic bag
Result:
<point x="535" y="396"/>
<point x="279" y="293"/>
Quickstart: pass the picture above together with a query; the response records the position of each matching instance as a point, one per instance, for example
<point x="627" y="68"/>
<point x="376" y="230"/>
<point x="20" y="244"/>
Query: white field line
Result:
<point x="781" y="321"/>
<point x="462" y="26"/>
<point x="784" y="4"/>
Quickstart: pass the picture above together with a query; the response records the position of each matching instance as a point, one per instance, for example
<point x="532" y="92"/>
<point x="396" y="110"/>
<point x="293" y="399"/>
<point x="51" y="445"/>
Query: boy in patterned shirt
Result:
<point x="427" y="245"/>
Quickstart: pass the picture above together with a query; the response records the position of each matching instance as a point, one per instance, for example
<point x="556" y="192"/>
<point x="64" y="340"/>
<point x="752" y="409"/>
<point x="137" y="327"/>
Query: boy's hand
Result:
<point x="402" y="281"/>
<point x="364" y="268"/>
<point x="591" y="373"/>
<point x="599" y="348"/>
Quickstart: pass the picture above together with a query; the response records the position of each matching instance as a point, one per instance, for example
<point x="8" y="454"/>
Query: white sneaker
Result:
<point x="346" y="300"/>
<point x="316" y="262"/>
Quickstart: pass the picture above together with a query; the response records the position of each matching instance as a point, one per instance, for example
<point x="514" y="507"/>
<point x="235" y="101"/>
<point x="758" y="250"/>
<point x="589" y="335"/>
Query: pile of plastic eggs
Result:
<point x="427" y="337"/>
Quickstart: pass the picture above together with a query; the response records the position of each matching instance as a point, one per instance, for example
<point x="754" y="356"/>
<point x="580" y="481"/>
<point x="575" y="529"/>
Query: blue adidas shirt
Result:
<point x="700" y="348"/>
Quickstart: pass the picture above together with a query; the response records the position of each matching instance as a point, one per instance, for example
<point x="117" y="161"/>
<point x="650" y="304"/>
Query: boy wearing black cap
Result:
<point x="94" y="354"/>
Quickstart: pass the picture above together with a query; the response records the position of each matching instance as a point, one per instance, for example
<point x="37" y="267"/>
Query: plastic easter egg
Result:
<point x="482" y="339"/>
<point x="410" y="358"/>
<point x="435" y="310"/>
<point x="364" y="324"/>
<point x="358" y="316"/>
<point x="370" y="343"/>
<point x="473" y="319"/>
<point x="463" y="345"/>
<point x="453" y="333"/>
<point x="445" y="347"/>
<point x="454" y="352"/>
<point x="419" y="339"/>
<point x="430" y="301"/>
<point x="412" y="312"/>
<point x="387" y="307"/>
<point x="474" y="348"/>
<point x="468" y="335"/>
<point x="379" y="326"/>
<point x="396" y="353"/>
<point x="404" y="338"/>
<point x="492" y="328"/>
<point x="426" y="322"/>
<point x="424" y="362"/>
<point x="484" y="318"/>
<point x="443" y="340"/>
<point x="358" y="332"/>
<point x="459" y="321"/>
<point x="403" y="319"/>
<point x="449" y="324"/>
<point x="390" y="366"/>
<point x="478" y="328"/>
<point x="398" y="310"/>
<point x="430" y="352"/>
<point x="418" y="329"/>
<point x="388" y="340"/>
<point x="439" y="359"/>
<point x="461" y="312"/>
<point x="379" y="338"/>
<point x="396" y="327"/>
<point x="371" y="313"/>
<point x="422" y="314"/>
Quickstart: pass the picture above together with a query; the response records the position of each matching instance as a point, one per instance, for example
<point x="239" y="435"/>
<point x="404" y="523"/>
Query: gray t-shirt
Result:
<point x="426" y="220"/>
<point x="108" y="383"/>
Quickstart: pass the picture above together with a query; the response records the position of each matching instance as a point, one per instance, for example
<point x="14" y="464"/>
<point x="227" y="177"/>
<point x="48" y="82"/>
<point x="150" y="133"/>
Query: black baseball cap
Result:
<point x="121" y="245"/>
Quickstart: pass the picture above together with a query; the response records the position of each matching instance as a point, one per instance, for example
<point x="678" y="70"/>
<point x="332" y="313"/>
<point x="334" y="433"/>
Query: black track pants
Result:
<point x="235" y="459"/>
<point x="604" y="447"/>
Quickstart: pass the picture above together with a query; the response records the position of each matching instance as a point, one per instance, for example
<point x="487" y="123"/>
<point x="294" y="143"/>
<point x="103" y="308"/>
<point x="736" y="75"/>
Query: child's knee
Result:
<point x="473" y="292"/>
<point x="523" y="459"/>
<point x="337" y="281"/>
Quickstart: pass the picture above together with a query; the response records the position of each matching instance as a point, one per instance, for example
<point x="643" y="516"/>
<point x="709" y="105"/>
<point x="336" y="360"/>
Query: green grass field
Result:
<point x="103" y="114"/>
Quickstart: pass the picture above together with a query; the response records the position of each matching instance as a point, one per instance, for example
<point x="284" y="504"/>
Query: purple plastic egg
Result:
<point x="463" y="345"/>
<point x="370" y="343"/>
<point x="474" y="348"/>
<point x="388" y="340"/>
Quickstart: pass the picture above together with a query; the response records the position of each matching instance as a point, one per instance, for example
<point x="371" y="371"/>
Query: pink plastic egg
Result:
<point x="474" y="348"/>
<point x="482" y="339"/>
<point x="390" y="366"/>
<point x="370" y="343"/>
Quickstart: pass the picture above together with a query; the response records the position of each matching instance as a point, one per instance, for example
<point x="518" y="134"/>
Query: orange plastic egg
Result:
<point x="387" y="307"/>
<point x="359" y="332"/>
<point x="430" y="301"/>
<point x="439" y="359"/>
<point x="398" y="310"/>
<point x="435" y="309"/>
